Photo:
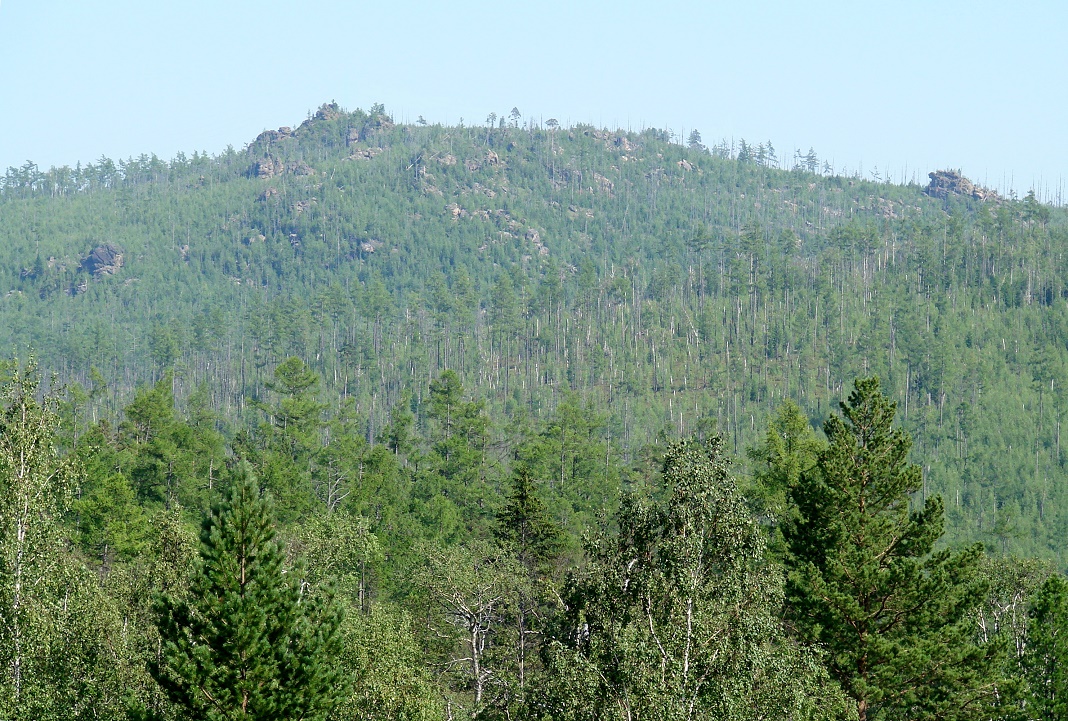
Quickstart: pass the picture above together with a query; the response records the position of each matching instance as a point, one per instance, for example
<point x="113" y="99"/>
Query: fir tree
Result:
<point x="247" y="642"/>
<point x="865" y="583"/>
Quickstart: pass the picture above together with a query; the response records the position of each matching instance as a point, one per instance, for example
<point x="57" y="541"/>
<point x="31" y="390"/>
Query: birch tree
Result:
<point x="676" y="614"/>
<point x="468" y="594"/>
<point x="36" y="487"/>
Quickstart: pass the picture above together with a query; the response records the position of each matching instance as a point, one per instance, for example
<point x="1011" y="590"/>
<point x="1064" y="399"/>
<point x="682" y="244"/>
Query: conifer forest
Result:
<point x="520" y="420"/>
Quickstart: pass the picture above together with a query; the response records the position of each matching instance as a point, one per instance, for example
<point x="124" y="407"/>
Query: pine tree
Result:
<point x="865" y="582"/>
<point x="290" y="437"/>
<point x="1046" y="660"/>
<point x="247" y="642"/>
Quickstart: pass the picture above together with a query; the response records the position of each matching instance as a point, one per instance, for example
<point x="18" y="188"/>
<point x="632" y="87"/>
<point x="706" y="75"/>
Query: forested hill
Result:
<point x="659" y="288"/>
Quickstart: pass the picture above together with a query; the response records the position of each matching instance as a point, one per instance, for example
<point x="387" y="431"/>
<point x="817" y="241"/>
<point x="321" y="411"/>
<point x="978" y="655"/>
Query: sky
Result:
<point x="900" y="87"/>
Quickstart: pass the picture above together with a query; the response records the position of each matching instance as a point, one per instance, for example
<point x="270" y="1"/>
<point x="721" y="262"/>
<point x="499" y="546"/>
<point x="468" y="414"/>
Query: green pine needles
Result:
<point x="249" y="640"/>
<point x="1046" y="661"/>
<point x="865" y="582"/>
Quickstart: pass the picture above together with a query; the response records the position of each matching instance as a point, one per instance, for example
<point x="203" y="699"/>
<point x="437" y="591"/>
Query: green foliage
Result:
<point x="790" y="448"/>
<point x="1046" y="660"/>
<point x="61" y="648"/>
<point x="866" y="582"/>
<point x="289" y="439"/>
<point x="573" y="455"/>
<point x="390" y="321"/>
<point x="466" y="594"/>
<point x="246" y="642"/>
<point x="390" y="679"/>
<point x="111" y="523"/>
<point x="523" y="525"/>
<point x="340" y="549"/>
<point x="676" y="614"/>
<point x="167" y="458"/>
<point x="663" y="285"/>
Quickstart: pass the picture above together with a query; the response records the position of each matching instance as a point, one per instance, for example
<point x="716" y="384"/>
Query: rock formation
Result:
<point x="103" y="260"/>
<point x="267" y="168"/>
<point x="950" y="182"/>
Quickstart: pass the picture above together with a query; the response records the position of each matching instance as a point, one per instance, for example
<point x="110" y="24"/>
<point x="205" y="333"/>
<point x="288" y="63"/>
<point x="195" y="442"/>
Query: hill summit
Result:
<point x="665" y="286"/>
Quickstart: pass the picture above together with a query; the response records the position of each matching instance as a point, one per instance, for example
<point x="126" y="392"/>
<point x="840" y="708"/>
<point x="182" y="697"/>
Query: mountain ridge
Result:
<point x="672" y="287"/>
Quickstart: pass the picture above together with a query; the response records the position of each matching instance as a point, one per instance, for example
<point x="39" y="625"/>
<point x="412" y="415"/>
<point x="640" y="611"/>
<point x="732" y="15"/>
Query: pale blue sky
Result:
<point x="916" y="85"/>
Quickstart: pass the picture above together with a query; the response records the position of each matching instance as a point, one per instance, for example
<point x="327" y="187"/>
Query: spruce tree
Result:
<point x="865" y="582"/>
<point x="247" y="642"/>
<point x="526" y="530"/>
<point x="525" y="527"/>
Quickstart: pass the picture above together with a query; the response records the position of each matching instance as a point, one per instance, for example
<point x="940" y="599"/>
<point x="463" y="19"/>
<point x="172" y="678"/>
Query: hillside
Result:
<point x="665" y="289"/>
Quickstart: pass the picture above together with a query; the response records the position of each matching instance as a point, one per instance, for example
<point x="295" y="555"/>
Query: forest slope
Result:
<point x="670" y="288"/>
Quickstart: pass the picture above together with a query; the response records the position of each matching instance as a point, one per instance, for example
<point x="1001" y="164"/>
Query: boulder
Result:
<point x="103" y="260"/>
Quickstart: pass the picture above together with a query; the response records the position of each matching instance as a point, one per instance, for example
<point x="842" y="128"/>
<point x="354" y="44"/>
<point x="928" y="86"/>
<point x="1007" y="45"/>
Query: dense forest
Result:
<point x="517" y="420"/>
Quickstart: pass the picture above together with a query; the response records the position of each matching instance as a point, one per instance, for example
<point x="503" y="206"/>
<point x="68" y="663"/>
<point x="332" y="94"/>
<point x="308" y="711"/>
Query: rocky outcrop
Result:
<point x="328" y="111"/>
<point x="365" y="153"/>
<point x="103" y="260"/>
<point x="618" y="140"/>
<point x="606" y="186"/>
<point x="301" y="205"/>
<point x="535" y="238"/>
<point x="267" y="168"/>
<point x="273" y="136"/>
<point x="370" y="245"/>
<point x="945" y="183"/>
<point x="270" y="167"/>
